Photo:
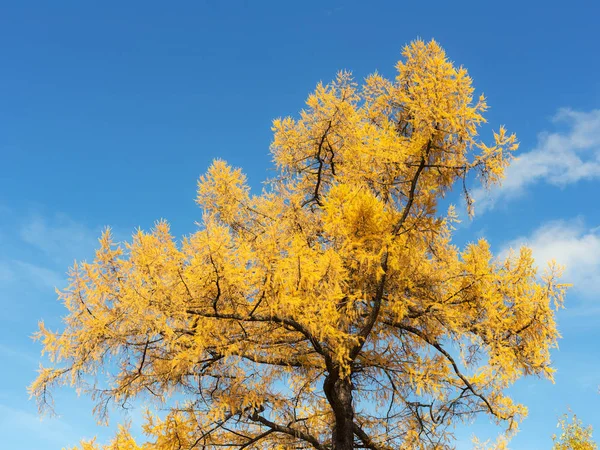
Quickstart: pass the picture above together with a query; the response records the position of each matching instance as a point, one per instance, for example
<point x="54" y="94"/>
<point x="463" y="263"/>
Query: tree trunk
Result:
<point x="339" y="395"/>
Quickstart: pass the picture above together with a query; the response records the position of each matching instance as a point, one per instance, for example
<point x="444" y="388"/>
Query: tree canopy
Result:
<point x="332" y="310"/>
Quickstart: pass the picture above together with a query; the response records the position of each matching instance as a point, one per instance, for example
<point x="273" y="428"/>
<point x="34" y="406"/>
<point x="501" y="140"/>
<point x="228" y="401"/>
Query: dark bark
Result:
<point x="339" y="394"/>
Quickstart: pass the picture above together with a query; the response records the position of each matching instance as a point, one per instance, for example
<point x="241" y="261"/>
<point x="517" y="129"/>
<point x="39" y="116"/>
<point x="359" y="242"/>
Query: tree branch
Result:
<point x="296" y="326"/>
<point x="289" y="431"/>
<point x="366" y="440"/>
<point x="435" y="344"/>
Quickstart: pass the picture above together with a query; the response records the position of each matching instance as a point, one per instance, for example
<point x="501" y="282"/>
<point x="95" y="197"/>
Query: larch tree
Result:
<point x="573" y="436"/>
<point x="332" y="311"/>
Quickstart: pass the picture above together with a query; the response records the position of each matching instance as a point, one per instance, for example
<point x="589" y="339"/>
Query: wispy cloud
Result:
<point x="59" y="237"/>
<point x="37" y="250"/>
<point x="6" y="272"/>
<point x="42" y="277"/>
<point x="571" y="244"/>
<point x="52" y="432"/>
<point x="12" y="353"/>
<point x="562" y="157"/>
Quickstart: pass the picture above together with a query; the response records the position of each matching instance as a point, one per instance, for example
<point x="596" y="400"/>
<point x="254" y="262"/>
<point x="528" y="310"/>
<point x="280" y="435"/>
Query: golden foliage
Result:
<point x="573" y="436"/>
<point x="332" y="304"/>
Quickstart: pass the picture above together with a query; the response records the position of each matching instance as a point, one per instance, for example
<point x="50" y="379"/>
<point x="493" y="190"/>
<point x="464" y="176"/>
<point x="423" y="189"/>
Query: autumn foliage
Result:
<point x="573" y="435"/>
<point x="332" y="310"/>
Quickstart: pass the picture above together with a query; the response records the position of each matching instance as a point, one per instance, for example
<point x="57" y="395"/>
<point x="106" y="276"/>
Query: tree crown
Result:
<point x="332" y="310"/>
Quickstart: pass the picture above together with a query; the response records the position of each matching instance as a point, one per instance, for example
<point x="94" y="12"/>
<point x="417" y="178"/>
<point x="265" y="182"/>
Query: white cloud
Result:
<point x="14" y="353"/>
<point x="6" y="272"/>
<point x="571" y="244"/>
<point x="38" y="250"/>
<point x="60" y="238"/>
<point x="38" y="275"/>
<point x="32" y="430"/>
<point x="559" y="158"/>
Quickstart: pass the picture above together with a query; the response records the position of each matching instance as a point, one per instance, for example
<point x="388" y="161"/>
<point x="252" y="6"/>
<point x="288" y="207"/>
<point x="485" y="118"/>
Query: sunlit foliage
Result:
<point x="332" y="310"/>
<point x="573" y="435"/>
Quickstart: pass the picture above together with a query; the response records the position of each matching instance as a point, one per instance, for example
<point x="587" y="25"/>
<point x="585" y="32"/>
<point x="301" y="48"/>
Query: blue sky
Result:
<point x="110" y="111"/>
